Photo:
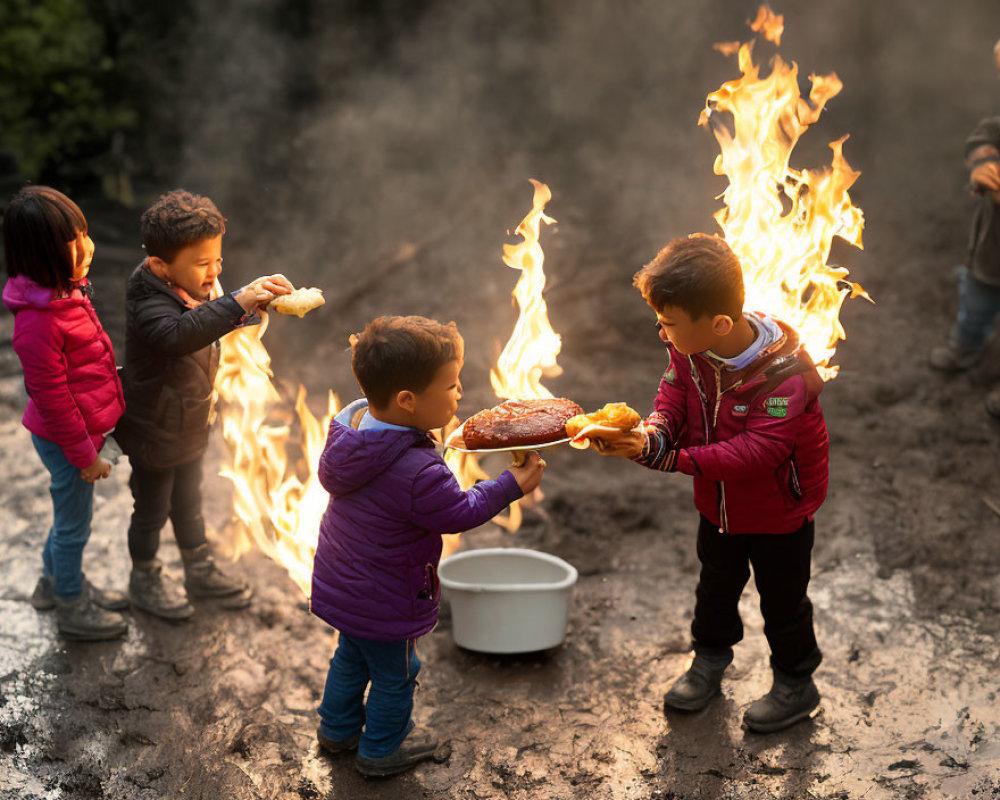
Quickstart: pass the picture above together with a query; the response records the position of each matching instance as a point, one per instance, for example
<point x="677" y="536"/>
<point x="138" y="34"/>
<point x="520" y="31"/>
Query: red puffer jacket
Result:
<point x="755" y="439"/>
<point x="74" y="395"/>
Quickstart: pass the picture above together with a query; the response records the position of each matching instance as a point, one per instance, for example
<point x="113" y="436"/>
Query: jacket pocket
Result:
<point x="195" y="412"/>
<point x="788" y="481"/>
<point x="169" y="410"/>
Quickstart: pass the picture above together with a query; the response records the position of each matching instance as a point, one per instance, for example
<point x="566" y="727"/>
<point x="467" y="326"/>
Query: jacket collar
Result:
<point x="755" y="372"/>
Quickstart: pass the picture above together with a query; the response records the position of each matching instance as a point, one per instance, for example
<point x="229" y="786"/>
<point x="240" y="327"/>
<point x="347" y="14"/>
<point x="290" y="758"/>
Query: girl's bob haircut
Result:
<point x="38" y="227"/>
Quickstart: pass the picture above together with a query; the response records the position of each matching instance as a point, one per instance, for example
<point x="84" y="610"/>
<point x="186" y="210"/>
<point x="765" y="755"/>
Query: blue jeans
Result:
<point x="978" y="304"/>
<point x="72" y="508"/>
<point x="392" y="669"/>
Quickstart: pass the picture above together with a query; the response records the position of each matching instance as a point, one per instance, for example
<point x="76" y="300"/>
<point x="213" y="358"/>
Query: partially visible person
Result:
<point x="74" y="396"/>
<point x="391" y="497"/>
<point x="979" y="278"/>
<point x="175" y="315"/>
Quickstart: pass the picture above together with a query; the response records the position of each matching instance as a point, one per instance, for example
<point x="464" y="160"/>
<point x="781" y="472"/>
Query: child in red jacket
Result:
<point x="74" y="396"/>
<point x="738" y="409"/>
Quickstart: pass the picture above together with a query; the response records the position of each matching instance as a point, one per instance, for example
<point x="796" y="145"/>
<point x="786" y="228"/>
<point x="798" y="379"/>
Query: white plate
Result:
<point x="456" y="442"/>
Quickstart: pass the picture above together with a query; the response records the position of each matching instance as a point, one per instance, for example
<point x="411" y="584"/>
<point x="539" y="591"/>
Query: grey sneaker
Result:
<point x="790" y="700"/>
<point x="952" y="358"/>
<point x="333" y="746"/>
<point x="157" y="594"/>
<point x="44" y="596"/>
<point x="83" y="620"/>
<point x="204" y="578"/>
<point x="693" y="690"/>
<point x="418" y="746"/>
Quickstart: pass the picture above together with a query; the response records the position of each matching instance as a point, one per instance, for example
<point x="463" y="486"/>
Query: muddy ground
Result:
<point x="906" y="585"/>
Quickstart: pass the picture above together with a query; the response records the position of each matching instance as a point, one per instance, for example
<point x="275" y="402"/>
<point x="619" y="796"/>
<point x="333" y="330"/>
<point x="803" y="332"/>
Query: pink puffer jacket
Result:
<point x="74" y="395"/>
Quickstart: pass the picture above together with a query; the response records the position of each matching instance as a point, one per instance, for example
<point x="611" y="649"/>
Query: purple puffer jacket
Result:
<point x="391" y="498"/>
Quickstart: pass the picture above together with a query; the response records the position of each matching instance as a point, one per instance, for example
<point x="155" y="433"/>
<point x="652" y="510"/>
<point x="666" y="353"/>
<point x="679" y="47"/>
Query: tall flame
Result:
<point x="781" y="221"/>
<point x="531" y="350"/>
<point x="530" y="353"/>
<point x="278" y="512"/>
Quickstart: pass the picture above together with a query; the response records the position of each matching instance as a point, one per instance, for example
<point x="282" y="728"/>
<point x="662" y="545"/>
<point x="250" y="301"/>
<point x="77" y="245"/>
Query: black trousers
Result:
<point x="781" y="572"/>
<point x="159" y="495"/>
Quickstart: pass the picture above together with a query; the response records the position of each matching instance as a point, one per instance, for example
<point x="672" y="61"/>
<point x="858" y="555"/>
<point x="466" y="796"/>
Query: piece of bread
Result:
<point x="516" y="423"/>
<point x="613" y="418"/>
<point x="300" y="302"/>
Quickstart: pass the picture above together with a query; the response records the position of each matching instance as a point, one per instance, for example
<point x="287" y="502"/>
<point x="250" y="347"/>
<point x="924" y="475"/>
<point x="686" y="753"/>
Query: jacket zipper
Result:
<point x="719" y="391"/>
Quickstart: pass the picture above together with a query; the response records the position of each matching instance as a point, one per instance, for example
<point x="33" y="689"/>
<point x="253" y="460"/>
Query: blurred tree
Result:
<point x="81" y="101"/>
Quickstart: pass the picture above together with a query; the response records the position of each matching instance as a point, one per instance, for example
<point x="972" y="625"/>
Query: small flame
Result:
<point x="771" y="24"/>
<point x="781" y="221"/>
<point x="277" y="511"/>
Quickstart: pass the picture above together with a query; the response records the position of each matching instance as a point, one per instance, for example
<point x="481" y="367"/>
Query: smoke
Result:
<point x="381" y="150"/>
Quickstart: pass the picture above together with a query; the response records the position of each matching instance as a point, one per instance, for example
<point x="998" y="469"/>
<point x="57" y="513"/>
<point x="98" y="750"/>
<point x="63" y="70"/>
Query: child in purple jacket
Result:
<point x="391" y="497"/>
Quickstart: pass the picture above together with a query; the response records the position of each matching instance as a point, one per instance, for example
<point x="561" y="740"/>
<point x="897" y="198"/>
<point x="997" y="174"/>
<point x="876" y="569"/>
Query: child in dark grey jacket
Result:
<point x="175" y="314"/>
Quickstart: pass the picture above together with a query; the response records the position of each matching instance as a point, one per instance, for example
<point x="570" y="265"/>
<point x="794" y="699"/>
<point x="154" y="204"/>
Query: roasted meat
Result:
<point x="519" y="422"/>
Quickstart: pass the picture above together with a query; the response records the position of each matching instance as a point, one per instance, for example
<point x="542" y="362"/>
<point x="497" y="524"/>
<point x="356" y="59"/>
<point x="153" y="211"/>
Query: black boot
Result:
<point x="790" y="700"/>
<point x="81" y="619"/>
<point x="695" y="688"/>
<point x="204" y="578"/>
<point x="155" y="593"/>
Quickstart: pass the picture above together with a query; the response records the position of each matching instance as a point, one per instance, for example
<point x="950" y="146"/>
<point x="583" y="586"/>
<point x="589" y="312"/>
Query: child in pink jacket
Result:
<point x="75" y="398"/>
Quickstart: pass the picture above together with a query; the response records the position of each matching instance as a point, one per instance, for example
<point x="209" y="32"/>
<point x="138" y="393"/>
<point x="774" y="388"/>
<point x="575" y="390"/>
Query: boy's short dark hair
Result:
<point x="179" y="219"/>
<point x="393" y="354"/>
<point x="39" y="224"/>
<point x="696" y="273"/>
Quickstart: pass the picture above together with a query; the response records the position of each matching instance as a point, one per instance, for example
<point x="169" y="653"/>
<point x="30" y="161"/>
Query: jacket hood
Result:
<point x="21" y="292"/>
<point x="355" y="458"/>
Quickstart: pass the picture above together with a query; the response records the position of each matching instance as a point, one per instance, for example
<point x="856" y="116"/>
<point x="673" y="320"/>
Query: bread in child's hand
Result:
<point x="614" y="418"/>
<point x="300" y="302"/>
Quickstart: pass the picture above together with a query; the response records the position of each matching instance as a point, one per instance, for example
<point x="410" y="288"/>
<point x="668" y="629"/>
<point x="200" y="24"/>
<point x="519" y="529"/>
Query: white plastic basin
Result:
<point x="508" y="599"/>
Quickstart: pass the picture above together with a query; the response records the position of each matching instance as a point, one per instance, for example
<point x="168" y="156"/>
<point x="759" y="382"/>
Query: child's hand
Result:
<point x="257" y="294"/>
<point x="252" y="297"/>
<point x="627" y="444"/>
<point x="528" y="473"/>
<point x="986" y="177"/>
<point x="99" y="469"/>
<point x="276" y="284"/>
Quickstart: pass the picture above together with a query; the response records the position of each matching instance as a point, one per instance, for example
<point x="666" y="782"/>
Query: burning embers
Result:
<point x="781" y="221"/>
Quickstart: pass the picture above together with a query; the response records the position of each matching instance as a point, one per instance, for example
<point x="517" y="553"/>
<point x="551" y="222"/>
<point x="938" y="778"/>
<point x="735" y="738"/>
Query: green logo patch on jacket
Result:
<point x="776" y="406"/>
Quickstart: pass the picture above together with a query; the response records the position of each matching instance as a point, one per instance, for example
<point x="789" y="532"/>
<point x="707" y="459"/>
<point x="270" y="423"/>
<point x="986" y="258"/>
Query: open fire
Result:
<point x="276" y="509"/>
<point x="781" y="221"/>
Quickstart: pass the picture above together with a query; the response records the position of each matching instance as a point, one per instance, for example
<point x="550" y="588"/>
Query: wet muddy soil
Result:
<point x="906" y="584"/>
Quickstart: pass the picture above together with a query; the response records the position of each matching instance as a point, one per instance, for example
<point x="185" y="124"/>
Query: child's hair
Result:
<point x="179" y="219"/>
<point x="696" y="273"/>
<point x="38" y="226"/>
<point x="393" y="354"/>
